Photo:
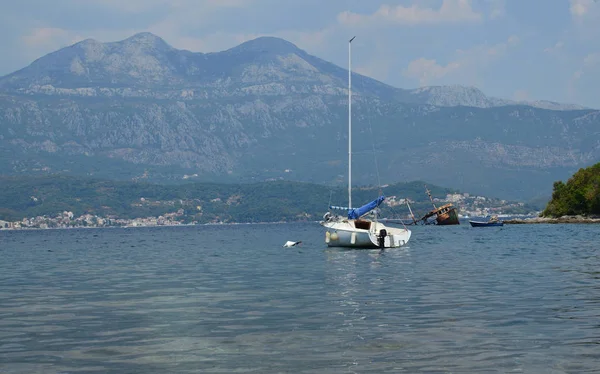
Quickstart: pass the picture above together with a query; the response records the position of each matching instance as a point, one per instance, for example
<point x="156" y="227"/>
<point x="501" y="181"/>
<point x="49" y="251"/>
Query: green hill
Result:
<point x="23" y="197"/>
<point x="579" y="196"/>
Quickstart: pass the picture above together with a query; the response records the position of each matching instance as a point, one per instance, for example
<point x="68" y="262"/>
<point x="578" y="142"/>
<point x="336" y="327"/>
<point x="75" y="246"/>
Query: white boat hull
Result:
<point x="344" y="233"/>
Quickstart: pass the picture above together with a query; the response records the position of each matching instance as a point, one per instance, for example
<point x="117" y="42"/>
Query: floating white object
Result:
<point x="291" y="244"/>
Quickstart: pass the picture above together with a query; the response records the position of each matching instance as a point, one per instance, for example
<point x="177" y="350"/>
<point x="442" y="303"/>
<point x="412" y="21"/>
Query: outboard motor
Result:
<point x="381" y="238"/>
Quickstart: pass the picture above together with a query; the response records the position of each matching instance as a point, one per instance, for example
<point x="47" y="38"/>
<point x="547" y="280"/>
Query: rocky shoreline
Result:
<point x="563" y="219"/>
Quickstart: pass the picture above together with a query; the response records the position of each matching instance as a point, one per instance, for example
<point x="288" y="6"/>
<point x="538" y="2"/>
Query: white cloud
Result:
<point x="483" y="54"/>
<point x="178" y="20"/>
<point x="470" y="62"/>
<point x="584" y="32"/>
<point x="179" y="25"/>
<point x="428" y="70"/>
<point x="44" y="36"/>
<point x="139" y="6"/>
<point x="497" y="8"/>
<point x="451" y="11"/>
<point x="375" y="67"/>
<point x="588" y="67"/>
<point x="129" y="6"/>
<point x="521" y="95"/>
<point x="577" y="9"/>
<point x="214" y="42"/>
<point x="591" y="60"/>
<point x="219" y="41"/>
<point x="586" y="15"/>
<point x="580" y="8"/>
<point x="555" y="48"/>
<point x="588" y="63"/>
<point x="572" y="84"/>
<point x="43" y="40"/>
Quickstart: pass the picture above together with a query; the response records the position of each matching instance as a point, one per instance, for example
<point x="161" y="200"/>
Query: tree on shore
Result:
<point x="579" y="196"/>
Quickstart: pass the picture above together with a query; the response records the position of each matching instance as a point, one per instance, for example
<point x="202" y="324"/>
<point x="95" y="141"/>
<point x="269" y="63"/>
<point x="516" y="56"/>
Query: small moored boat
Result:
<point x="493" y="222"/>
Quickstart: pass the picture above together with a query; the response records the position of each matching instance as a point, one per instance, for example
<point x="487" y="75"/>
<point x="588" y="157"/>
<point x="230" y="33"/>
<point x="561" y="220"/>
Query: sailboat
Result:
<point x="355" y="230"/>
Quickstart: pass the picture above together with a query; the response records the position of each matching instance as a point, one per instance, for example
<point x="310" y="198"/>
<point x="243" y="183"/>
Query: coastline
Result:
<point x="32" y="228"/>
<point x="563" y="219"/>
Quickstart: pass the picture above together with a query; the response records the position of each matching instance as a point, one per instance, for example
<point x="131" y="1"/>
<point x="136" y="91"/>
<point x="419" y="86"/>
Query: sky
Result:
<point x="513" y="49"/>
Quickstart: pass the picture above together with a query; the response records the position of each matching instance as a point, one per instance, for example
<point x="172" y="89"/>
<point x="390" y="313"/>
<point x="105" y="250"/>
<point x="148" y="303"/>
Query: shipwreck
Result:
<point x="444" y="215"/>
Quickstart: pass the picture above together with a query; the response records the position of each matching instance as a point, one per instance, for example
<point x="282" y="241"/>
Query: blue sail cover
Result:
<point x="358" y="212"/>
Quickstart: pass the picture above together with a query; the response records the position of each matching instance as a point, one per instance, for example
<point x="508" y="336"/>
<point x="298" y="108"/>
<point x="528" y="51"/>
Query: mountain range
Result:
<point x="141" y="109"/>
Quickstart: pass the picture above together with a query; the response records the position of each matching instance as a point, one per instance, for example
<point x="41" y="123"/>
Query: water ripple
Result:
<point x="228" y="299"/>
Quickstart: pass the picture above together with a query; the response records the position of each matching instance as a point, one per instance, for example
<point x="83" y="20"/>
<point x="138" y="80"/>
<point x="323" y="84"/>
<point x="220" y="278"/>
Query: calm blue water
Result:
<point x="229" y="299"/>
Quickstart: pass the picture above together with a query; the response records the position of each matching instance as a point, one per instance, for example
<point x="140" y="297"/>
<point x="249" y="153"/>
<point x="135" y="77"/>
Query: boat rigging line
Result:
<point x="368" y="115"/>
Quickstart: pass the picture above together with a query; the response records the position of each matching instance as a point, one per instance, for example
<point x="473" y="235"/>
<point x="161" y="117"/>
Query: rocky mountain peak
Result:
<point x="267" y="65"/>
<point x="452" y="95"/>
<point x="267" y="44"/>
<point x="267" y="109"/>
<point x="146" y="40"/>
<point x="87" y="42"/>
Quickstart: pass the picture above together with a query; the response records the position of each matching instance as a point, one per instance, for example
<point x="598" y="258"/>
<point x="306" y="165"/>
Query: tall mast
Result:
<point x="350" y="122"/>
<point x="430" y="198"/>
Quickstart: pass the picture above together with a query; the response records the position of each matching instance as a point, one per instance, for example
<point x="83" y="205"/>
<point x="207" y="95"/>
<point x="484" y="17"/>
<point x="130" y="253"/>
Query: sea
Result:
<point x="232" y="299"/>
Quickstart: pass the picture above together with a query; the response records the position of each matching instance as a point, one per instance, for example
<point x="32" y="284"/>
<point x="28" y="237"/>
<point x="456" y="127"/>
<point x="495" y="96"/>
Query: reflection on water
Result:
<point x="230" y="299"/>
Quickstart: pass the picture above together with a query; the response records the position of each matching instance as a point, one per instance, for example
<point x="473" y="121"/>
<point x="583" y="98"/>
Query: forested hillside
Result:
<point x="579" y="196"/>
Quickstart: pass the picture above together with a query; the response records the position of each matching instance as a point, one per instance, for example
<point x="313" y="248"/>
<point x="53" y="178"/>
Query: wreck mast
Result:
<point x="430" y="198"/>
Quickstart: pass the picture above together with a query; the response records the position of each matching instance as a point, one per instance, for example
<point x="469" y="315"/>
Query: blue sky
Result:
<point x="516" y="49"/>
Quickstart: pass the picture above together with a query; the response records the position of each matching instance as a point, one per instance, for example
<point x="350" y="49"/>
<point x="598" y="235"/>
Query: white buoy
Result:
<point x="291" y="244"/>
